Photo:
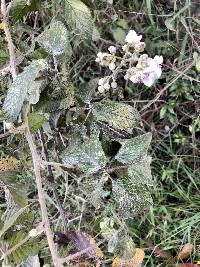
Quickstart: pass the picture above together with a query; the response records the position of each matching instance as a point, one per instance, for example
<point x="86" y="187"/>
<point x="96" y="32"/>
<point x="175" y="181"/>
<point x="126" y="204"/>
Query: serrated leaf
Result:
<point x="21" y="8"/>
<point x="134" y="150"/>
<point x="131" y="198"/>
<point x="94" y="189"/>
<point x="55" y="38"/>
<point x="17" y="93"/>
<point x="8" y="178"/>
<point x="32" y="261"/>
<point x="9" y="223"/>
<point x="140" y="172"/>
<point x="78" y="17"/>
<point x="120" y="116"/>
<point x="88" y="156"/>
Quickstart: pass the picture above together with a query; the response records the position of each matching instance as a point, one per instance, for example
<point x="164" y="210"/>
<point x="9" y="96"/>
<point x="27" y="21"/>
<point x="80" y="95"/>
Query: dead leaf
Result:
<point x="135" y="261"/>
<point x="188" y="265"/>
<point x="81" y="241"/>
<point x="185" y="251"/>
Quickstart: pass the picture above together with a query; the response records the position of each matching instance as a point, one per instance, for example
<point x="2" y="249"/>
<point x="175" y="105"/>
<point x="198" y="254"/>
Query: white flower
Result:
<point x="139" y="47"/>
<point x="104" y="59"/>
<point x="106" y="86"/>
<point x="146" y="71"/>
<point x="124" y="47"/>
<point x="101" y="81"/>
<point x="153" y="71"/>
<point x="112" y="66"/>
<point x="132" y="37"/>
<point x="112" y="49"/>
<point x="114" y="85"/>
<point x="101" y="89"/>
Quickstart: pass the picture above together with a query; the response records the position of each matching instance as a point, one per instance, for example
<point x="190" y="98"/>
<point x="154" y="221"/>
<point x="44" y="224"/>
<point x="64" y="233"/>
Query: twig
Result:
<point x="166" y="87"/>
<point x="11" y="47"/>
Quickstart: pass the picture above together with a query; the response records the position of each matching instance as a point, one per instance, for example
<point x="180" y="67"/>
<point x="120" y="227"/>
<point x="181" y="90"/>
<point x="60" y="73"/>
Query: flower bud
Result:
<point x="112" y="49"/>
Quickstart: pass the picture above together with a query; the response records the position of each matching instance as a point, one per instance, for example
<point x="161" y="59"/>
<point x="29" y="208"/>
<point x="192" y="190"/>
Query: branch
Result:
<point x="41" y="196"/>
<point x="11" y="47"/>
<point x="167" y="86"/>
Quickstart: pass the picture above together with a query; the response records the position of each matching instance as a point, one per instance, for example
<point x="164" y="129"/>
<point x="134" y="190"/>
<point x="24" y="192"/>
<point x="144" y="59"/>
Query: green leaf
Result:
<point x="78" y="17"/>
<point x="88" y="156"/>
<point x="134" y="150"/>
<point x="21" y="8"/>
<point x="17" y="93"/>
<point x="16" y="189"/>
<point x="36" y="121"/>
<point x="119" y="35"/>
<point x="10" y="222"/>
<point x="140" y="173"/>
<point x="170" y="24"/>
<point x="55" y="38"/>
<point x="120" y="116"/>
<point x="131" y="198"/>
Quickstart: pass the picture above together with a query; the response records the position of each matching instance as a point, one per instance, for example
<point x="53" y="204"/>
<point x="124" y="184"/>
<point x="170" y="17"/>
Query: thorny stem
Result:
<point x="35" y="156"/>
<point x="11" y="47"/>
<point x="41" y="196"/>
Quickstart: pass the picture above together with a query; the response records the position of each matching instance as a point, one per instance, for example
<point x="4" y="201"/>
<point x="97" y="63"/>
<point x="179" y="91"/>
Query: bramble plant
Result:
<point x="75" y="171"/>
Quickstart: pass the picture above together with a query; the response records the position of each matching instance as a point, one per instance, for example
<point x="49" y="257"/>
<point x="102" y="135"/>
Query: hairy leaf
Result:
<point x="32" y="261"/>
<point x="119" y="116"/>
<point x="21" y="8"/>
<point x="17" y="92"/>
<point x="78" y="17"/>
<point x="140" y="172"/>
<point x="134" y="150"/>
<point x="88" y="156"/>
<point x="9" y="223"/>
<point x="34" y="92"/>
<point x="55" y="38"/>
<point x="131" y="198"/>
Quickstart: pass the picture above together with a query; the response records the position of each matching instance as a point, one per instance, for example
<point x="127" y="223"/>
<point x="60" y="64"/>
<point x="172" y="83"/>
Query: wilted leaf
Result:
<point x="88" y="156"/>
<point x="185" y="251"/>
<point x="78" y="17"/>
<point x="81" y="241"/>
<point x="134" y="150"/>
<point x="55" y="38"/>
<point x="120" y="116"/>
<point x="135" y="261"/>
<point x="35" y="121"/>
<point x="8" y="164"/>
<point x="21" y="8"/>
<point x="17" y="92"/>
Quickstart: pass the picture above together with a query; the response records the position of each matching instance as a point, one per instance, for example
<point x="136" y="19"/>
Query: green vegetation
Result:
<point x="99" y="155"/>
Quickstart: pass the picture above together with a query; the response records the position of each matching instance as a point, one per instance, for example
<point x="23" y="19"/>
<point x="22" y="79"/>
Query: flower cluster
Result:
<point x="138" y="68"/>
